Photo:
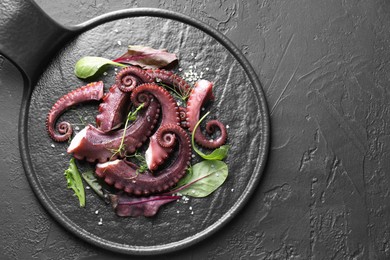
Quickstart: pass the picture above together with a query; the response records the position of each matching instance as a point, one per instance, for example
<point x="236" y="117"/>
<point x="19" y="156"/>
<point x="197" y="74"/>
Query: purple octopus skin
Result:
<point x="170" y="115"/>
<point x="94" y="145"/>
<point x="115" y="105"/>
<point x="123" y="175"/>
<point x="92" y="91"/>
<point x="183" y="117"/>
<point x="200" y="94"/>
<point x="169" y="78"/>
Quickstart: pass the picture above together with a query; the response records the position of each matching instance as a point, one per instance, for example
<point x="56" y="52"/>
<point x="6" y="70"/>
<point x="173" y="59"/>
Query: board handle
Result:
<point x="29" y="37"/>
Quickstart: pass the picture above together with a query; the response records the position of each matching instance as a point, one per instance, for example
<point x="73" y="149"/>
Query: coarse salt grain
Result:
<point x="119" y="43"/>
<point x="100" y="222"/>
<point x="105" y="73"/>
<point x="232" y="190"/>
<point x="87" y="187"/>
<point x="96" y="212"/>
<point x="227" y="126"/>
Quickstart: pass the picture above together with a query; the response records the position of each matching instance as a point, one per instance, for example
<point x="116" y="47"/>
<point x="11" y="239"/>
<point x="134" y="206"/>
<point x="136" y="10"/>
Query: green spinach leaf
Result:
<point x="88" y="66"/>
<point x="202" y="179"/>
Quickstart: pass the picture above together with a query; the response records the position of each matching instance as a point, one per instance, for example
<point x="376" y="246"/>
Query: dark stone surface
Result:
<point x="325" y="193"/>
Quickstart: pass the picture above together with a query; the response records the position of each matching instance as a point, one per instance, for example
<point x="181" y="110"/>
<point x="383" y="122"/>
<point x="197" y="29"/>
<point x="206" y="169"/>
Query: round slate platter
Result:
<point x="239" y="104"/>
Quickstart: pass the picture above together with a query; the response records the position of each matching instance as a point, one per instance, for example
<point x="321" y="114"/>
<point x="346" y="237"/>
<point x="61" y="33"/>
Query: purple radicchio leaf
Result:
<point x="128" y="206"/>
<point x="147" y="58"/>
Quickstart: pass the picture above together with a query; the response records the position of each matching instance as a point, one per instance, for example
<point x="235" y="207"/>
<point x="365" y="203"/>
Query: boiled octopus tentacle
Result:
<point x="115" y="105"/>
<point x="92" y="91"/>
<point x="183" y="117"/>
<point x="170" y="115"/>
<point x="129" y="77"/>
<point x="169" y="78"/>
<point x="94" y="145"/>
<point x="201" y="93"/>
<point x="123" y="175"/>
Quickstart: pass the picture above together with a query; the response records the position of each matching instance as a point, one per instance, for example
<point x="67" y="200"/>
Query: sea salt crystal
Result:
<point x="227" y="126"/>
<point x="178" y="212"/>
<point x="190" y="208"/>
<point x="87" y="187"/>
<point x="100" y="222"/>
<point x="116" y="30"/>
<point x="192" y="213"/>
<point x="105" y="73"/>
<point x="96" y="212"/>
<point x="180" y="69"/>
<point x="52" y="145"/>
<point x="193" y="155"/>
<point x="192" y="54"/>
<point x="77" y="128"/>
<point x="119" y="43"/>
<point x="207" y="68"/>
<point x="232" y="190"/>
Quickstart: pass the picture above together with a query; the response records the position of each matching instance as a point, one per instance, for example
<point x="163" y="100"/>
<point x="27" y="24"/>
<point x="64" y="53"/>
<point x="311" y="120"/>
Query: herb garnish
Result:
<point x="142" y="166"/>
<point x="131" y="116"/>
<point x="92" y="181"/>
<point x="202" y="179"/>
<point x="145" y="57"/>
<point x="179" y="93"/>
<point x="75" y="182"/>
<point x="88" y="66"/>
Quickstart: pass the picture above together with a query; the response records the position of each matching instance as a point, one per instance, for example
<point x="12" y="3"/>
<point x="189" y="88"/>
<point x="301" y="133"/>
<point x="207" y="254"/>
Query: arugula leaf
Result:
<point x="92" y="181"/>
<point x="218" y="154"/>
<point x="202" y="179"/>
<point x="89" y="66"/>
<point x="75" y="182"/>
<point x="128" y="206"/>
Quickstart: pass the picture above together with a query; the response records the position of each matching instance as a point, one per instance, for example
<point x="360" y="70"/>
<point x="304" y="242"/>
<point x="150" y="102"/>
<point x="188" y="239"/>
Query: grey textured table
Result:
<point x="325" y="192"/>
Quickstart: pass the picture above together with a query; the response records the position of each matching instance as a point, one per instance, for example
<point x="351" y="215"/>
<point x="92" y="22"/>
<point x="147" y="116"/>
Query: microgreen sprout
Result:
<point x="131" y="116"/>
<point x="143" y="167"/>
